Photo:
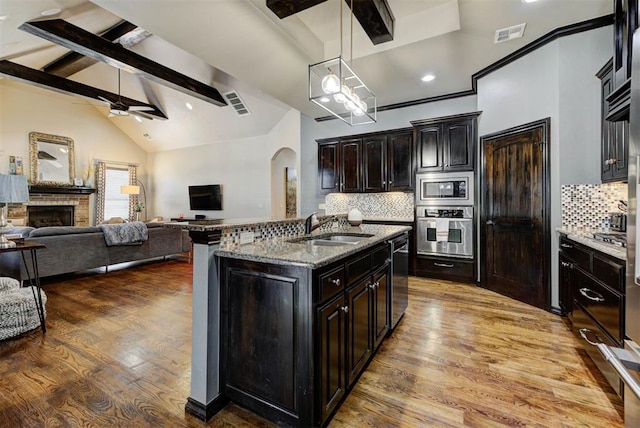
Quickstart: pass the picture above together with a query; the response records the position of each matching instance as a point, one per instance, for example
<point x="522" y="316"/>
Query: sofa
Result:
<point x="73" y="248"/>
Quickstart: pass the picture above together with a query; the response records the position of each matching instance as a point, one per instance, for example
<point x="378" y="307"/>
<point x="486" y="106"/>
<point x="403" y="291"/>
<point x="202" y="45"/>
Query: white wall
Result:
<point x="387" y="120"/>
<point x="556" y="81"/>
<point x="24" y="109"/>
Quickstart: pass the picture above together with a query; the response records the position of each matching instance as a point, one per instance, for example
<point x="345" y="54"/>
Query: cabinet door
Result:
<point x="375" y="161"/>
<point x="608" y="128"/>
<point x="399" y="166"/>
<point x="350" y="162"/>
<point x="359" y="328"/>
<point x="380" y="289"/>
<point x="621" y="147"/>
<point x="564" y="283"/>
<point x="429" y="150"/>
<point x="328" y="168"/>
<point x="459" y="145"/>
<point x="331" y="344"/>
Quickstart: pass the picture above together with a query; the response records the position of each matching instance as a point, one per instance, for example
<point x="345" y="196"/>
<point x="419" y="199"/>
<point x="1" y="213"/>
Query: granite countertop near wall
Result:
<point x="585" y="237"/>
<point x="220" y="224"/>
<point x="281" y="251"/>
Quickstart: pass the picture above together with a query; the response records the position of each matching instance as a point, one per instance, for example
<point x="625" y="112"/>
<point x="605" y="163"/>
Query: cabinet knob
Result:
<point x="607" y="161"/>
<point x="384" y="182"/>
<point x="390" y="183"/>
<point x="614" y="161"/>
<point x="344" y="309"/>
<point x="335" y="281"/>
<point x="567" y="265"/>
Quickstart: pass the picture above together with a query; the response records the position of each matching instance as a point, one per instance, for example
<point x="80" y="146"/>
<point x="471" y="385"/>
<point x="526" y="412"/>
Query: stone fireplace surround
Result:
<point x="57" y="197"/>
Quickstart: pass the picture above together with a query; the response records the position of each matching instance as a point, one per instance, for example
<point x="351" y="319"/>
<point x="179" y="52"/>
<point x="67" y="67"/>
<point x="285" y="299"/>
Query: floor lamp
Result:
<point x="132" y="189"/>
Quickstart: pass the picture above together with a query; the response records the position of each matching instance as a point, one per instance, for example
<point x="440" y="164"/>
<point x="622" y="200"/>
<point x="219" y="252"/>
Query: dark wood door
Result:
<point x="359" y="328"/>
<point x="328" y="167"/>
<point x="459" y="145"/>
<point x="350" y="162"/>
<point x="333" y="357"/>
<point x="429" y="140"/>
<point x="380" y="307"/>
<point x="375" y="161"/>
<point x="399" y="166"/>
<point x="515" y="207"/>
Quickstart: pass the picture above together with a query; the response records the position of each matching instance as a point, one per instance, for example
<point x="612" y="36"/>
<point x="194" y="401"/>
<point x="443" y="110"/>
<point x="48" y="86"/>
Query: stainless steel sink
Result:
<point x="334" y="239"/>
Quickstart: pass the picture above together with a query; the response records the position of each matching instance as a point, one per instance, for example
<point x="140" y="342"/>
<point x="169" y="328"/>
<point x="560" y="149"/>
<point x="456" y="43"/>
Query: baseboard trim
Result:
<point x="205" y="412"/>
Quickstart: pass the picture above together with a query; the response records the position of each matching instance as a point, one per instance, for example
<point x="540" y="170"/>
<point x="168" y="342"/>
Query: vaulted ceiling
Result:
<point x="242" y="45"/>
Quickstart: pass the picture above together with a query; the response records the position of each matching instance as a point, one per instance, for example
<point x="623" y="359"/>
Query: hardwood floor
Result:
<point x="117" y="353"/>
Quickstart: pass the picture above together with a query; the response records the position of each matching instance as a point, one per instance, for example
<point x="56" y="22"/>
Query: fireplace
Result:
<point x="50" y="215"/>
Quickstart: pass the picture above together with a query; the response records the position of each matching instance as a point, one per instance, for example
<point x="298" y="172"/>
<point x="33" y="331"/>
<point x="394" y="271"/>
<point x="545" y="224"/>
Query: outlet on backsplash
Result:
<point x="588" y="206"/>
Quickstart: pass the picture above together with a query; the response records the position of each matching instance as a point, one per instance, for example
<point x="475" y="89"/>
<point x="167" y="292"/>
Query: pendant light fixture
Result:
<point x="334" y="86"/>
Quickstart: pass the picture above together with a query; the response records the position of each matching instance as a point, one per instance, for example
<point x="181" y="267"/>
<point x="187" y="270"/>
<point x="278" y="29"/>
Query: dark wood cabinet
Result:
<point x="351" y="165"/>
<point x="376" y="162"/>
<point x="303" y="336"/>
<point x="614" y="135"/>
<point x="329" y="167"/>
<point x="591" y="286"/>
<point x="388" y="162"/>
<point x="446" y="143"/>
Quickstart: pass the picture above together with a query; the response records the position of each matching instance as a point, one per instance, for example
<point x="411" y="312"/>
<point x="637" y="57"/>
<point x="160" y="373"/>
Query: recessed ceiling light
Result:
<point x="324" y="100"/>
<point x="138" y="119"/>
<point x="428" y="77"/>
<point x="50" y="12"/>
<point x="189" y="106"/>
<point x="3" y="17"/>
<point x="529" y="1"/>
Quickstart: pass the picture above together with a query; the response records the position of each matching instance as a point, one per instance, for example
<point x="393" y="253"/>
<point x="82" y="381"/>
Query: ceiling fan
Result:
<point x="118" y="108"/>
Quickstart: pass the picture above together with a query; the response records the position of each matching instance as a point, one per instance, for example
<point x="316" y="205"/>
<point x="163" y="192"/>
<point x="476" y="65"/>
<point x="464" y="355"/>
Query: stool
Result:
<point x="18" y="308"/>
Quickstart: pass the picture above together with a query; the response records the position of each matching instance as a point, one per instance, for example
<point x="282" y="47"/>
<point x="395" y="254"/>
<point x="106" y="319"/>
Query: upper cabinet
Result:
<point x="376" y="162"/>
<point x="446" y="143"/>
<point x="614" y="135"/>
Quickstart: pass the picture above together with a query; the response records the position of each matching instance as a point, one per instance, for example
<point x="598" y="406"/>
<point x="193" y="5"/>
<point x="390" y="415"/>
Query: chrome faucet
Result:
<point x="310" y="222"/>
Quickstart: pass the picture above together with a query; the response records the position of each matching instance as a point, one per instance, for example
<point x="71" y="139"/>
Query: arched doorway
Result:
<point x="284" y="184"/>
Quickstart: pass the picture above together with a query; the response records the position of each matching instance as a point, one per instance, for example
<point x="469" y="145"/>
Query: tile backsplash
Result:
<point x="373" y="206"/>
<point x="587" y="206"/>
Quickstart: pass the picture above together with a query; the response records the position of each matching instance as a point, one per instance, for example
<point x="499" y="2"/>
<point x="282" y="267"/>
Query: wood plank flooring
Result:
<point x="117" y="353"/>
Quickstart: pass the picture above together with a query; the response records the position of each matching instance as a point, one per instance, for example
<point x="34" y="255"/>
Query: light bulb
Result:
<point x="358" y="111"/>
<point x="340" y="97"/>
<point x="330" y="83"/>
<point x="350" y="105"/>
<point x="364" y="106"/>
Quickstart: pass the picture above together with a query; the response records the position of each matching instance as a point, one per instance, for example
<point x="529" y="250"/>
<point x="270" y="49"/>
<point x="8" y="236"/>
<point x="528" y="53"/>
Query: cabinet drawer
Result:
<point x="604" y="305"/>
<point x="331" y="283"/>
<point x="584" y="326"/>
<point x="609" y="272"/>
<point x="454" y="268"/>
<point x="576" y="253"/>
<point x="358" y="267"/>
<point x="380" y="256"/>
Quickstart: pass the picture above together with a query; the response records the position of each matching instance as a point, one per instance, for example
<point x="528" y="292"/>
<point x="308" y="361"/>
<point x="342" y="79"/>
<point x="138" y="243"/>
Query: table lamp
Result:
<point x="13" y="190"/>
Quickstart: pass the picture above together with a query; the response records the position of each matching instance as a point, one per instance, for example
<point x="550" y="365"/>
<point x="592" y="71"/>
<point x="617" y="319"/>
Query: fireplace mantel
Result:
<point x="67" y="190"/>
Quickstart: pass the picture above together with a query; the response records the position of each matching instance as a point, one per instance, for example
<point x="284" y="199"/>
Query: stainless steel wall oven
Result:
<point x="445" y="231"/>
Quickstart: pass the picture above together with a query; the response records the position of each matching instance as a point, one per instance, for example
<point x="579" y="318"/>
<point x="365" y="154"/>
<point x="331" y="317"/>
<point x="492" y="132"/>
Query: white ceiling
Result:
<point x="242" y="45"/>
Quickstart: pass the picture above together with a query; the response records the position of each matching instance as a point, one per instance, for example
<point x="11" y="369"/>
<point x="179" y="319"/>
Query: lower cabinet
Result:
<point x="449" y="268"/>
<point x="591" y="286"/>
<point x="295" y="340"/>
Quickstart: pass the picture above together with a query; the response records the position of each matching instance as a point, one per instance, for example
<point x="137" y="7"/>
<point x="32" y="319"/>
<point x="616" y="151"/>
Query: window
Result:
<point x="116" y="204"/>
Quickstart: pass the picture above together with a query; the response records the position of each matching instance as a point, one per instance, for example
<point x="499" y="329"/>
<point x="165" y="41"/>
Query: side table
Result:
<point x="34" y="281"/>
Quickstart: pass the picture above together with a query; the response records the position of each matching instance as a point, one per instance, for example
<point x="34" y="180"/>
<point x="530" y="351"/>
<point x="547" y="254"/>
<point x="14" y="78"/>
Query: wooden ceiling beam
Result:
<point x="73" y="62"/>
<point x="284" y="8"/>
<point x="86" y="43"/>
<point x="44" y="80"/>
<point x="376" y="19"/>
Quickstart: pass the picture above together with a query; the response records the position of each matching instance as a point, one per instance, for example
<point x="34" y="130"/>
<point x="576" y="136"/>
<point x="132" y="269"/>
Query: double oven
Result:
<point x="444" y="214"/>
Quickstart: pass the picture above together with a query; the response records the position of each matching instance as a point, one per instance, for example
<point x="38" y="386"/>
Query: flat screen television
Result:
<point x="205" y="197"/>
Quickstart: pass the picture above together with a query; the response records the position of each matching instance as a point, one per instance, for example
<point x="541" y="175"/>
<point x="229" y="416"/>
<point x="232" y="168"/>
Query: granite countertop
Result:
<point x="219" y="224"/>
<point x="281" y="251"/>
<point x="585" y="237"/>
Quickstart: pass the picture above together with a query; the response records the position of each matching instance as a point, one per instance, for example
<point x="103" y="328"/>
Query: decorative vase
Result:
<point x="354" y="217"/>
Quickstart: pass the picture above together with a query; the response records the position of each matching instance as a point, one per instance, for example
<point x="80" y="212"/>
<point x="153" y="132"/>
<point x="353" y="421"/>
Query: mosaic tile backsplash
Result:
<point x="373" y="206"/>
<point x="587" y="206"/>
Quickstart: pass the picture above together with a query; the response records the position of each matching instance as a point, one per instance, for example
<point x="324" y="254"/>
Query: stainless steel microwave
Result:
<point x="448" y="188"/>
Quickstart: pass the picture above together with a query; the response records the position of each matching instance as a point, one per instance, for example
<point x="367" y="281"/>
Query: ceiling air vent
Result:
<point x="238" y="105"/>
<point x="510" y="33"/>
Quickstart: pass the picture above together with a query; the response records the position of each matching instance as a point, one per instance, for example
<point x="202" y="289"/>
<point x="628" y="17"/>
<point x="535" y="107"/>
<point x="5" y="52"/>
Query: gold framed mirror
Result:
<point x="51" y="159"/>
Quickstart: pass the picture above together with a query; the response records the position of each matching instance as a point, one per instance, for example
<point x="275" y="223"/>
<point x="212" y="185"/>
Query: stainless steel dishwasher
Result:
<point x="399" y="298"/>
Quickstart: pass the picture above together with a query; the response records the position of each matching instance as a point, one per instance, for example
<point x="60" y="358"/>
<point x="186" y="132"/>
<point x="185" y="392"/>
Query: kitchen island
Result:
<point x="285" y="326"/>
